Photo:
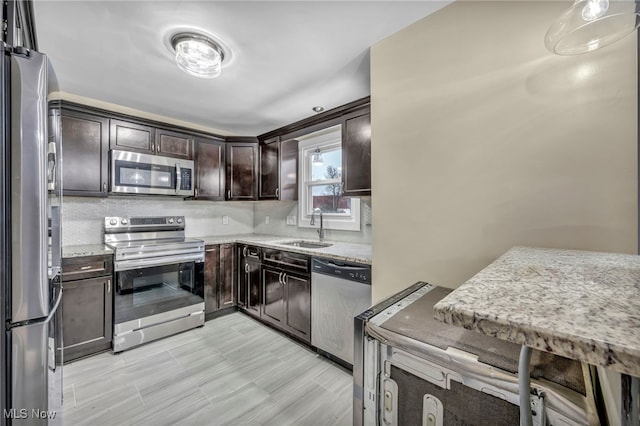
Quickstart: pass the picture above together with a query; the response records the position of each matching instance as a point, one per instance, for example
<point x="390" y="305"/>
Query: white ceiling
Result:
<point x="287" y="56"/>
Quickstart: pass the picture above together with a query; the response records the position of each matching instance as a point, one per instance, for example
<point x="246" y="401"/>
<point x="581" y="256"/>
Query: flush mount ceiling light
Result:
<point x="591" y="24"/>
<point x="197" y="54"/>
<point x="317" y="109"/>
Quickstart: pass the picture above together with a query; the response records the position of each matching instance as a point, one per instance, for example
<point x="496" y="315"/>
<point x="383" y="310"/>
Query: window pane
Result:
<point x="330" y="200"/>
<point x="331" y="168"/>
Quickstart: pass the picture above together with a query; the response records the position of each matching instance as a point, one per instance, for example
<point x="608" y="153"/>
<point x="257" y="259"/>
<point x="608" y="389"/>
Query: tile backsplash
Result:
<point x="83" y="218"/>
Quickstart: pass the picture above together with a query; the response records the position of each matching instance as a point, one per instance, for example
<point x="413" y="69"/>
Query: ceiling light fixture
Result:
<point x="317" y="109"/>
<point x="316" y="158"/>
<point x="197" y="54"/>
<point x="591" y="24"/>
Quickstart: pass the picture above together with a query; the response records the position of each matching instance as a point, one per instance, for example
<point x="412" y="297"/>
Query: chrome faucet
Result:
<point x="313" y="222"/>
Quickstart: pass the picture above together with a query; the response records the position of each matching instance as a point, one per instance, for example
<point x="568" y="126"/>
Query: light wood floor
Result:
<point x="233" y="371"/>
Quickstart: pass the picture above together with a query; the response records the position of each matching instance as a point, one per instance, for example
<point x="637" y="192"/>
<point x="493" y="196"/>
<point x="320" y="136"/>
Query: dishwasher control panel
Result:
<point x="346" y="271"/>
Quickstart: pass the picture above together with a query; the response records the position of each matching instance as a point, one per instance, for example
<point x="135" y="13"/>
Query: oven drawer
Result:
<point x="78" y="268"/>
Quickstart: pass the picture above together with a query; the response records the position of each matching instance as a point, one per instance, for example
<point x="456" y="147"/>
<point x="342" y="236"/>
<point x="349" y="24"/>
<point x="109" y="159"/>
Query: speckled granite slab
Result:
<point x="85" y="250"/>
<point x="579" y="304"/>
<point x="347" y="252"/>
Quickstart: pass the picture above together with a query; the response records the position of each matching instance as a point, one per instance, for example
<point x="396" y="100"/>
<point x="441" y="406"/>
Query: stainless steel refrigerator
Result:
<point x="30" y="209"/>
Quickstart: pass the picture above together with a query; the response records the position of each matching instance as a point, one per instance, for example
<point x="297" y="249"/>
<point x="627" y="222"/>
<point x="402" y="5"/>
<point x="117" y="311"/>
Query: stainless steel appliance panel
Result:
<point x="29" y="365"/>
<point x="137" y="173"/>
<point x="335" y="301"/>
<point x="30" y="288"/>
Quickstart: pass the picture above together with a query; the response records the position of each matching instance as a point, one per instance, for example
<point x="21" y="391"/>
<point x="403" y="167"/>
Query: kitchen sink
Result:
<point x="306" y="244"/>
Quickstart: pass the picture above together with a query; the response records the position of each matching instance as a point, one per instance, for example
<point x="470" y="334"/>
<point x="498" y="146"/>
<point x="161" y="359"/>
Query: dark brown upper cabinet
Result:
<point x="288" y="170"/>
<point x="85" y="142"/>
<point x="174" y="144"/>
<point x="356" y="153"/>
<point x="210" y="169"/>
<point x="242" y="169"/>
<point x="278" y="169"/>
<point x="130" y="136"/>
<point x="268" y="186"/>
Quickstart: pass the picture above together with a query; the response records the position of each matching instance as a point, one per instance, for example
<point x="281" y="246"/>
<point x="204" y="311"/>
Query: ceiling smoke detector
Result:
<point x="198" y="54"/>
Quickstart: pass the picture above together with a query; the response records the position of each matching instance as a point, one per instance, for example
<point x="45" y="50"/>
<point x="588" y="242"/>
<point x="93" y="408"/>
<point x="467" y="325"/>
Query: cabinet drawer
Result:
<point x="285" y="259"/>
<point x="77" y="268"/>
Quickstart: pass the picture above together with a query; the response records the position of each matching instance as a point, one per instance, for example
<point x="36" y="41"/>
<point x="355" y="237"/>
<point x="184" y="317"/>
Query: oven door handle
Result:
<point x="127" y="265"/>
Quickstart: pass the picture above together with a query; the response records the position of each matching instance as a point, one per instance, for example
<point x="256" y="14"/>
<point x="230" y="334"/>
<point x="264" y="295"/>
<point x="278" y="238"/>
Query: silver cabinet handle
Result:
<point x="84" y="268"/>
<point x="108" y="286"/>
<point x="280" y="278"/>
<point x="210" y="250"/>
<point x="246" y="268"/>
<point x="104" y="186"/>
<point x="244" y="251"/>
<point x="284" y="278"/>
<point x="196" y="193"/>
<point x="228" y="194"/>
<point x="277" y="192"/>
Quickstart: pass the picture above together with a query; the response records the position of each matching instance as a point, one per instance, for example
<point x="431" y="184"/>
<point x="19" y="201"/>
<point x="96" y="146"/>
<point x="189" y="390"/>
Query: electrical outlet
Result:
<point x="266" y="220"/>
<point x="225" y="220"/>
<point x="291" y="220"/>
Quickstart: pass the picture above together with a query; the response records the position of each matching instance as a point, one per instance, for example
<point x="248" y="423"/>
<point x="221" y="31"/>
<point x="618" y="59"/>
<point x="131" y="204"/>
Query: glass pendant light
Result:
<point x="591" y="24"/>
<point x="198" y="55"/>
<point x="316" y="158"/>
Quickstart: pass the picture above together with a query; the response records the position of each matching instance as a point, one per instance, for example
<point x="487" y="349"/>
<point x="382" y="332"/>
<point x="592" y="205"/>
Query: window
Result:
<point x="321" y="182"/>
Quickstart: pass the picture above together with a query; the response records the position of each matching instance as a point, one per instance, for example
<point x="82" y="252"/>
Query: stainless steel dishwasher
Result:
<point x="339" y="292"/>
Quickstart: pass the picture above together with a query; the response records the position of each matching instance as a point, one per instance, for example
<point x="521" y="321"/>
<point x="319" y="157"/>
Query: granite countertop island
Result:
<point x="578" y="304"/>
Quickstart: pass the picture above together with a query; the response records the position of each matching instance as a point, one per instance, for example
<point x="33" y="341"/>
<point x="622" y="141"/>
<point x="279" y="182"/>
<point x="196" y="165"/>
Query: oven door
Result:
<point x="157" y="292"/>
<point x="136" y="173"/>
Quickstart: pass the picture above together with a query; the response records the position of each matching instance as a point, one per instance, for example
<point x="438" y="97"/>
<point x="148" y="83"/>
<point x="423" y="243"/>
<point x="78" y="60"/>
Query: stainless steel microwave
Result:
<point x="136" y="173"/>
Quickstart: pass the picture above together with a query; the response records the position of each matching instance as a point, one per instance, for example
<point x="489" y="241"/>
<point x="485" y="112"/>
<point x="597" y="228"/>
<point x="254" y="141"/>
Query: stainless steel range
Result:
<point x="158" y="278"/>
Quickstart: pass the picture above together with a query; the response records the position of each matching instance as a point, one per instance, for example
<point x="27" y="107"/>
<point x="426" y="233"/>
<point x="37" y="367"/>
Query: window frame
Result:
<point x="326" y="140"/>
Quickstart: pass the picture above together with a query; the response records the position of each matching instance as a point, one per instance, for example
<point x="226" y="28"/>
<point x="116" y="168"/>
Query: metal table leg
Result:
<point x="630" y="415"/>
<point x="524" y="385"/>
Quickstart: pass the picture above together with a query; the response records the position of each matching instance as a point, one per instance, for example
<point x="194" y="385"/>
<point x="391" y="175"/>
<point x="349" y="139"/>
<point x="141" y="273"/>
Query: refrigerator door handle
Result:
<point x="55" y="307"/>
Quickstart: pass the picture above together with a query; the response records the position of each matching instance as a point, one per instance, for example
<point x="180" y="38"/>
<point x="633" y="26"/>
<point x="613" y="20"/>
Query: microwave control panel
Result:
<point x="185" y="183"/>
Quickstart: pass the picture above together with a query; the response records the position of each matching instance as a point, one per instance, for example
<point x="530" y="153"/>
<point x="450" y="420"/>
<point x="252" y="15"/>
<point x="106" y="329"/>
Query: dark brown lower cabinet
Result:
<point x="249" y="284"/>
<point x="218" y="278"/>
<point x="287" y="301"/>
<point x="87" y="306"/>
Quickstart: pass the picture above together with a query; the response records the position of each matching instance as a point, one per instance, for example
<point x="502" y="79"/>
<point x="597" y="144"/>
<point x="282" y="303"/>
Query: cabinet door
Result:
<point x="254" y="288"/>
<point x="132" y="136"/>
<point x="269" y="173"/>
<point x="288" y="188"/>
<point x="174" y="144"/>
<point x="85" y="143"/>
<point x="241" y="171"/>
<point x="210" y="169"/>
<point x="211" y="279"/>
<point x="298" y="305"/>
<point x="227" y="277"/>
<point x="273" y="306"/>
<point x="86" y="316"/>
<point x="356" y="154"/>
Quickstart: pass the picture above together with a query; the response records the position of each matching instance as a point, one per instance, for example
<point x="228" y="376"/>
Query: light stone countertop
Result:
<point x="85" y="250"/>
<point x="347" y="252"/>
<point x="578" y="304"/>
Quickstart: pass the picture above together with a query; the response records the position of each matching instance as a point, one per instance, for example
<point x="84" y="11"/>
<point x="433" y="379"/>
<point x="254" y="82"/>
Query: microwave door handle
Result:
<point x="178" y="178"/>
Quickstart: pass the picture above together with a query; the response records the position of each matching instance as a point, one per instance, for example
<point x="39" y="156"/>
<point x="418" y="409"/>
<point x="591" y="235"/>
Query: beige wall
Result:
<point x="483" y="140"/>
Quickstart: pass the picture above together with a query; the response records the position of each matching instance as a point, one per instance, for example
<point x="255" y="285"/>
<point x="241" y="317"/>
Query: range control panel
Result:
<point x="118" y="223"/>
